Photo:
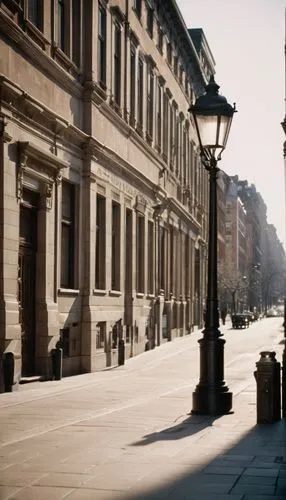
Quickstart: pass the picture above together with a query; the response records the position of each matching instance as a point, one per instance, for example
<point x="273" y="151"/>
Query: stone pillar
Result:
<point x="10" y="332"/>
<point x="88" y="326"/>
<point x="47" y="325"/>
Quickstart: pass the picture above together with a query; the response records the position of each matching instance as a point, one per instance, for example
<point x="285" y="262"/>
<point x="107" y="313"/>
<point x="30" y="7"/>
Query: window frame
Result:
<point x="102" y="46"/>
<point x="150" y="103"/>
<point x="100" y="243"/>
<point x="138" y="8"/>
<point x="150" y="21"/>
<point x="115" y="245"/>
<point x="68" y="282"/>
<point x="68" y="33"/>
<point x="117" y="63"/>
<point x="133" y="63"/>
<point x="140" y="90"/>
<point x="38" y="6"/>
<point x="151" y="240"/>
<point x="140" y="252"/>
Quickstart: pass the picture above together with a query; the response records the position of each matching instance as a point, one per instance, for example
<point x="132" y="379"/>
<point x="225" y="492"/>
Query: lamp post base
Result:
<point x="211" y="396"/>
<point x="211" y="402"/>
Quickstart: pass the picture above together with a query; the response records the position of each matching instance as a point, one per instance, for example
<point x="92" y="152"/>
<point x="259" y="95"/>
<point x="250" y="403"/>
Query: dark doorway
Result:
<point x="27" y="279"/>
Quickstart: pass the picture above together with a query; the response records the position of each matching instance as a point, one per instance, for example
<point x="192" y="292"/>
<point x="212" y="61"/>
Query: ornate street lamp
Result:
<point x="212" y="117"/>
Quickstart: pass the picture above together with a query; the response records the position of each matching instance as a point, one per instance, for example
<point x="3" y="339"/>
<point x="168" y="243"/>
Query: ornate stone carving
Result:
<point x="140" y="203"/>
<point x="46" y="193"/>
<point x="22" y="165"/>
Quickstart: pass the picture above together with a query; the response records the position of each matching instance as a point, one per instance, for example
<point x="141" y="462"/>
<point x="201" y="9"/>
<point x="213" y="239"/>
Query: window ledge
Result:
<point x="68" y="291"/>
<point x="140" y="295"/>
<point x="61" y="57"/>
<point x="115" y="293"/>
<point x="36" y="34"/>
<point x="99" y="291"/>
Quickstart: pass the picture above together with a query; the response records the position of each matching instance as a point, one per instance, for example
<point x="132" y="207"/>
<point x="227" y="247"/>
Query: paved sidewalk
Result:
<point x="127" y="434"/>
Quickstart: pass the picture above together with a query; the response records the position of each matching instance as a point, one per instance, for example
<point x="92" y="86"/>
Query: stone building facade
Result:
<point x="103" y="198"/>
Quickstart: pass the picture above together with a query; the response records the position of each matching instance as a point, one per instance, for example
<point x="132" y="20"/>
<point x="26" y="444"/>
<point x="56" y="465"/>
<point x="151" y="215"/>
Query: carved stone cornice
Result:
<point x="40" y="167"/>
<point x="4" y="136"/>
<point x="20" y="104"/>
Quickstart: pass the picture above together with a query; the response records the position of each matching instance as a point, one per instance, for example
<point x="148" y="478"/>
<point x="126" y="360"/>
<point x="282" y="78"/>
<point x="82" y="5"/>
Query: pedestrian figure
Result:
<point x="223" y="314"/>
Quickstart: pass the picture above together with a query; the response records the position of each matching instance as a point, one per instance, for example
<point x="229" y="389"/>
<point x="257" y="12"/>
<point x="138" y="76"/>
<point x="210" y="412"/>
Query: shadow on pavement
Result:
<point x="189" y="427"/>
<point x="254" y="468"/>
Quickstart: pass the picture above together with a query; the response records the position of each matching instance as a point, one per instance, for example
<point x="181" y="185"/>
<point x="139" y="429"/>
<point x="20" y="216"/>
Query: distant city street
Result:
<point x="127" y="432"/>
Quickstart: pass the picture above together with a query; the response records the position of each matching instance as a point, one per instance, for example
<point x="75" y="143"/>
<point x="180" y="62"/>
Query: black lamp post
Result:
<point x="212" y="117"/>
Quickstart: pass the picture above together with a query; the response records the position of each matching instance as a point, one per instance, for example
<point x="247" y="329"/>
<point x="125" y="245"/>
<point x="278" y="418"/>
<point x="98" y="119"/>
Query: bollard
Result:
<point x="268" y="400"/>
<point x="57" y="363"/>
<point x="121" y="352"/>
<point x="8" y="365"/>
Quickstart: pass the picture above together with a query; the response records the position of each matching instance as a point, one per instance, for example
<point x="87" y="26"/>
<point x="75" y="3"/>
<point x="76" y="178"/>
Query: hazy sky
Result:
<point x="246" y="38"/>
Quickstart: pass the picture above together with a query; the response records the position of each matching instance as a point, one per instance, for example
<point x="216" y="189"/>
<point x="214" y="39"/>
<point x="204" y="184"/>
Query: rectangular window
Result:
<point x="117" y="64"/>
<point x="100" y="245"/>
<point x="159" y="116"/>
<point x="68" y="30"/>
<point x="35" y="13"/>
<point x="138" y="7"/>
<point x="61" y="31"/>
<point x="176" y="143"/>
<point x="162" y="257"/>
<point x="186" y="85"/>
<point x="171" y="260"/>
<point x="68" y="236"/>
<point x="176" y="65"/>
<point x="140" y="89"/>
<point x="166" y="126"/>
<point x="76" y="32"/>
<point x="132" y="84"/>
<point x="101" y="49"/>
<point x="140" y="252"/>
<point x="184" y="157"/>
<point x="181" y="75"/>
<point x="115" y="247"/>
<point x="150" y="257"/>
<point x="160" y="39"/>
<point x="187" y="266"/>
<point x="150" y="102"/>
<point x="128" y="251"/>
<point x="150" y="20"/>
<point x="100" y="334"/>
<point x="169" y="53"/>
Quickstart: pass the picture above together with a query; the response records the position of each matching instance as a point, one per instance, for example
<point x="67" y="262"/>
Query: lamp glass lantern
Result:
<point x="212" y="116"/>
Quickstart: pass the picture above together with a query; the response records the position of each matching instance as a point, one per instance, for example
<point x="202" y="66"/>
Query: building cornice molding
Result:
<point x="34" y="113"/>
<point x="103" y="154"/>
<point x="29" y="150"/>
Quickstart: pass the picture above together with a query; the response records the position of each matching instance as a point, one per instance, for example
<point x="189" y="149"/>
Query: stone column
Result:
<point x="88" y="326"/>
<point x="10" y="331"/>
<point x="47" y="325"/>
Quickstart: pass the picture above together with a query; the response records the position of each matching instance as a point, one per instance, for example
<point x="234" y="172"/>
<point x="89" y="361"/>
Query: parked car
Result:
<point x="271" y="313"/>
<point x="240" y="320"/>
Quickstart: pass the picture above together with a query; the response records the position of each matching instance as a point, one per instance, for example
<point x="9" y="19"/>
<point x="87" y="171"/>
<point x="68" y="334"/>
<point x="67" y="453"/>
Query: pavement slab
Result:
<point x="128" y="433"/>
